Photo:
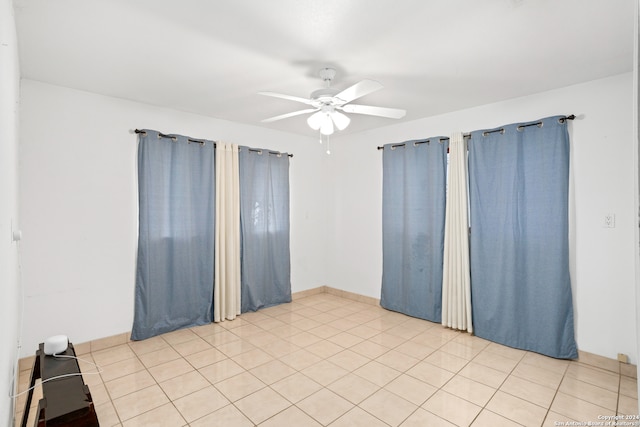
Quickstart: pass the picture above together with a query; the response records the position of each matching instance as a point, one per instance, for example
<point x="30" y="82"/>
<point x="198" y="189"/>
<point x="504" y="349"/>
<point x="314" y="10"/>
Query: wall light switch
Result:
<point x="609" y="220"/>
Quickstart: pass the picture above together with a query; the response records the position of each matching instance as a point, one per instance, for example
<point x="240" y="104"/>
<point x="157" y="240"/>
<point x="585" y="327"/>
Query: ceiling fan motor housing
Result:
<point x="324" y="95"/>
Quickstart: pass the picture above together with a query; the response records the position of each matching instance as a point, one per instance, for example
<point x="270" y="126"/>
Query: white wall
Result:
<point x="78" y="199"/>
<point x="78" y="204"/>
<point x="603" y="179"/>
<point x="9" y="272"/>
<point x="636" y="162"/>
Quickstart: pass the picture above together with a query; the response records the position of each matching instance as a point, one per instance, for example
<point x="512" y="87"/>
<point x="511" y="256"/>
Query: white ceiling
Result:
<point x="212" y="57"/>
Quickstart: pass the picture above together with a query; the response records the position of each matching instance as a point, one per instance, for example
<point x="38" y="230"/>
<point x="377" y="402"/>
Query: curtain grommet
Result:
<point x="487" y="132"/>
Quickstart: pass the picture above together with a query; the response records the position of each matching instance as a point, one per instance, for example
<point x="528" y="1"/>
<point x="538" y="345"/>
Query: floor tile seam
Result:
<point x="509" y="373"/>
<point x="321" y="337"/>
<point x="117" y="361"/>
<point x="169" y="361"/>
<point x="112" y="400"/>
<point x="191" y="338"/>
<point x="266" y="419"/>
<point x="618" y="397"/>
<point x="385" y="384"/>
<point x="455" y="373"/>
<point x="420" y="358"/>
<point x="383" y="421"/>
<point x="341" y="345"/>
<point x="387" y="350"/>
<point x="555" y="396"/>
<point x="594" y="384"/>
<point x="209" y="364"/>
<point x="186" y="423"/>
<point x="526" y="400"/>
<point x="337" y="394"/>
<point x="517" y="375"/>
<point x="432" y="385"/>
<point x="122" y="421"/>
<point x="600" y="367"/>
<point x="403" y="371"/>
<point x="367" y="397"/>
<point x="331" y="382"/>
<point x="622" y="393"/>
<point x="527" y="363"/>
<point x="194" y="338"/>
<point x="360" y="325"/>
<point x="296" y="371"/>
<point x="256" y="391"/>
<point x="483" y="407"/>
<point x="460" y="397"/>
<point x="618" y="393"/>
<point x="604" y="410"/>
<point x="332" y="421"/>
<point x="502" y="416"/>
<point x="630" y="376"/>
<point x="188" y="394"/>
<point x="445" y="419"/>
<point x="247" y="395"/>
<point x="458" y="355"/>
<point x="583" y="365"/>
<point x="124" y="375"/>
<point x="438" y="416"/>
<point x="397" y="395"/>
<point x="517" y="361"/>
<point x="628" y="379"/>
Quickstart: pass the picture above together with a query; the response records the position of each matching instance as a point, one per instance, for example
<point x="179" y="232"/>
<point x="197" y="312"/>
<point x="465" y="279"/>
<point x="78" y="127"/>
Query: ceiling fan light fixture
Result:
<point x="315" y="120"/>
<point x="341" y="121"/>
<point x="327" y="125"/>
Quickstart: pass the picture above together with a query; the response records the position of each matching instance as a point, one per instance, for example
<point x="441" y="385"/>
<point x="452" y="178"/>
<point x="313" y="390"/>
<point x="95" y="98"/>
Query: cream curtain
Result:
<point x="226" y="292"/>
<point x="456" y="278"/>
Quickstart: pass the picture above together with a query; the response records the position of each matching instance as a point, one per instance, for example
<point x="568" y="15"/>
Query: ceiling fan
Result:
<point x="327" y="104"/>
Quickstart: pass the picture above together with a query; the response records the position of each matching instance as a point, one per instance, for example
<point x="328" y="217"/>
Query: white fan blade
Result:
<point x="362" y="88"/>
<point x="293" y="114"/>
<point x="288" y="97"/>
<point x="392" y="113"/>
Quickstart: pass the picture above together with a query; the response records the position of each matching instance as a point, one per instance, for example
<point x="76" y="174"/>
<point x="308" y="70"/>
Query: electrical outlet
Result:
<point x="609" y="220"/>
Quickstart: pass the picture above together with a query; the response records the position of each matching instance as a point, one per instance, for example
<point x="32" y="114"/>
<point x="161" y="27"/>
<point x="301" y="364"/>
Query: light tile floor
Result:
<point x="324" y="360"/>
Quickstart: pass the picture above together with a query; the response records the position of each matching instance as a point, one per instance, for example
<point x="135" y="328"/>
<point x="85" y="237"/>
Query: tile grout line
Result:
<point x="331" y="310"/>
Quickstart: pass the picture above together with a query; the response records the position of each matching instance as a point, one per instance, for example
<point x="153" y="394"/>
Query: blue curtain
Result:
<point x="413" y="212"/>
<point x="264" y="229"/>
<point x="521" y="289"/>
<point x="174" y="280"/>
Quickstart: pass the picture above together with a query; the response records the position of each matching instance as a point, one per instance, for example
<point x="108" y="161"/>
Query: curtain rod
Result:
<point x="202" y="141"/>
<point x="485" y="133"/>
